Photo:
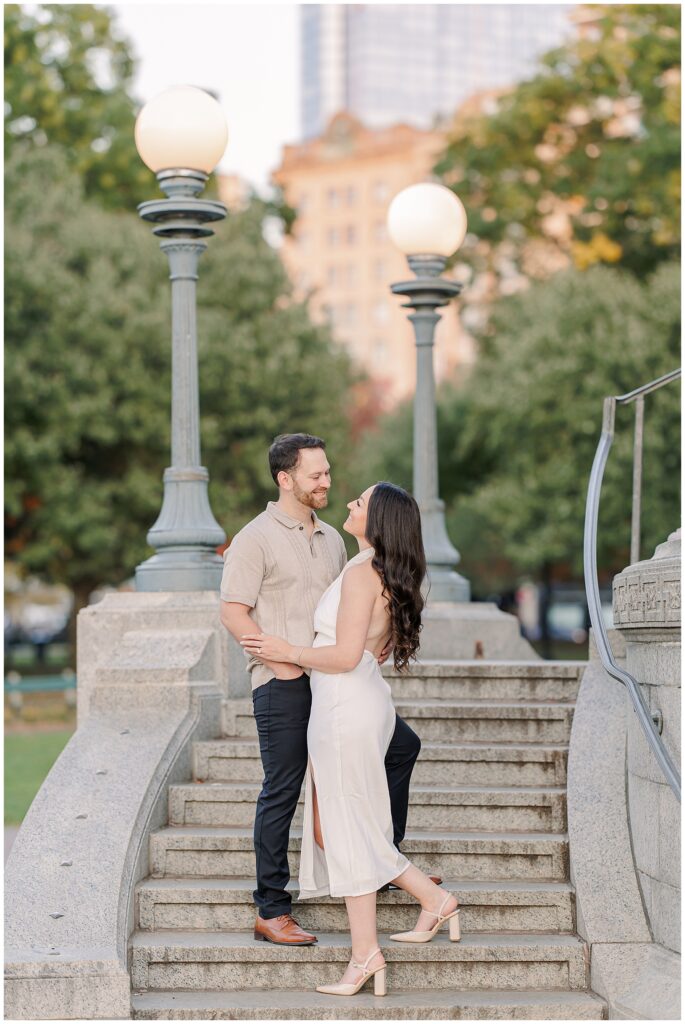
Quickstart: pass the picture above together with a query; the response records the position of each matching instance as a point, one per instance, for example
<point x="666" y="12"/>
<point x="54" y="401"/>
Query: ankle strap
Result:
<point x="362" y="967"/>
<point x="442" y="907"/>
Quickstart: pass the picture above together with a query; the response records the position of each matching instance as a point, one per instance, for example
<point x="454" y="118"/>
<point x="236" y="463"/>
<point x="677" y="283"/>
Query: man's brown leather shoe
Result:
<point x="434" y="878"/>
<point x="283" y="930"/>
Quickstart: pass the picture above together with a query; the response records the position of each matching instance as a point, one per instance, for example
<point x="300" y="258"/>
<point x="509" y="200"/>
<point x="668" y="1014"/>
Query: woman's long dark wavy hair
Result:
<point x="393" y="529"/>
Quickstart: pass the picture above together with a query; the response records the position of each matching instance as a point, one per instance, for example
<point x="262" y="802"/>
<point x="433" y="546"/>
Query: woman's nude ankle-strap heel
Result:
<point x="378" y="975"/>
<point x="453" y="919"/>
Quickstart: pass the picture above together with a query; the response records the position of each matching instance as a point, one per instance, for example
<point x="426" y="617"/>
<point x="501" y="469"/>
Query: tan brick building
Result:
<point x="339" y="256"/>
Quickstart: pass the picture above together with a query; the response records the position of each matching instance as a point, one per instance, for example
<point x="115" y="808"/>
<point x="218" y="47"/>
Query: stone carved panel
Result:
<point x="647" y="598"/>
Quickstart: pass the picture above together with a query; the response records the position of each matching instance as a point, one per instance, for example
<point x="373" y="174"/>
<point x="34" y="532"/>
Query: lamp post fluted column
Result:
<point x="186" y="534"/>
<point x="425" y="294"/>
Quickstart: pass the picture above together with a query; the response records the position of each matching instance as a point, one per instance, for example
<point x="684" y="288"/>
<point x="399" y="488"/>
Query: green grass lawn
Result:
<point x="28" y="759"/>
<point x="24" y="657"/>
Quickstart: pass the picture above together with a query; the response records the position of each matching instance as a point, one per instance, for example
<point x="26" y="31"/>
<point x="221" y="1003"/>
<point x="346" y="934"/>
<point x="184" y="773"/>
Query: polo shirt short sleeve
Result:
<point x="244" y="568"/>
<point x="275" y="568"/>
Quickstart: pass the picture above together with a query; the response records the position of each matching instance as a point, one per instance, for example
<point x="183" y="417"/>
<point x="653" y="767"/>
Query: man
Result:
<point x="276" y="569"/>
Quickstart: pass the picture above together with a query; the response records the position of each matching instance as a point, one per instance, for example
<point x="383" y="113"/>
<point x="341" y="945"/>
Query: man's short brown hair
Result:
<point x="284" y="453"/>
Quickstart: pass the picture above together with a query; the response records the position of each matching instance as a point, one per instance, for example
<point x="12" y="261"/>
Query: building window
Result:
<point x="351" y="195"/>
<point x="303" y="203"/>
<point x="351" y="234"/>
<point x="379" y="231"/>
<point x="380" y="270"/>
<point x="351" y="315"/>
<point x="338" y="316"/>
<point x="352" y="275"/>
<point x="333" y="198"/>
<point x="380" y="192"/>
<point x="333" y="237"/>
<point x="380" y="352"/>
<point x="380" y="313"/>
<point x="332" y="276"/>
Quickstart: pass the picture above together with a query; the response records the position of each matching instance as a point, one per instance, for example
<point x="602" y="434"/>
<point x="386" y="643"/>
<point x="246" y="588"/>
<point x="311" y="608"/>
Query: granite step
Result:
<point x="171" y="960"/>
<point x="217" y="852"/>
<point x="492" y="765"/>
<point x="225" y="904"/>
<point x="437" y="1004"/>
<point x="496" y="680"/>
<point x="464" y="764"/>
<point x="510" y="808"/>
<point x="442" y="721"/>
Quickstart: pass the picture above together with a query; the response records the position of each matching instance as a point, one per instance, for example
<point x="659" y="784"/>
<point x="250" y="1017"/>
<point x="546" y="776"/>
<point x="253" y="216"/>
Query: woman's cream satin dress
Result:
<point x="351" y="725"/>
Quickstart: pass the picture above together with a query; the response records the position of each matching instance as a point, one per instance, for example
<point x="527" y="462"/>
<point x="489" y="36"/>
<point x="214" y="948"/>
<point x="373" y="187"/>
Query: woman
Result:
<point x="347" y="847"/>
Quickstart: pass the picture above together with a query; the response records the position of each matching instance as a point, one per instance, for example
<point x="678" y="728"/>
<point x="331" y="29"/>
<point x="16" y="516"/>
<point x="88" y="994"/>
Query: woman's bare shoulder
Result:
<point x="364" y="576"/>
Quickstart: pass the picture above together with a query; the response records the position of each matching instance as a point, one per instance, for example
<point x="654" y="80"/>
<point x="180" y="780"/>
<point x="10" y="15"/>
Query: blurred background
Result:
<point x="559" y="128"/>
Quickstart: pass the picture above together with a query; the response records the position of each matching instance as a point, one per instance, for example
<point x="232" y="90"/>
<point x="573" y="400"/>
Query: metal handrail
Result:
<point x="590" y="562"/>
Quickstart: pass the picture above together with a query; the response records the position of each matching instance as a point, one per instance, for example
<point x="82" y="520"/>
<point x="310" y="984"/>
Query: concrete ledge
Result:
<point x="608" y="896"/>
<point x="639" y="979"/>
<point x="71" y="876"/>
<point x="74" y="989"/>
<point x="476" y="629"/>
<point x="101" y="628"/>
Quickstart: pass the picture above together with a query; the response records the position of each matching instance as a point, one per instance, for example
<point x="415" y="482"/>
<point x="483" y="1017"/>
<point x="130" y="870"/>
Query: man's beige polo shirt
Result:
<point x="275" y="568"/>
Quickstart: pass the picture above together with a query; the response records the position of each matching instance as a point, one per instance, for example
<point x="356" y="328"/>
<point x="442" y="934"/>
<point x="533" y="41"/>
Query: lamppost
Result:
<point x="181" y="135"/>
<point x="427" y="223"/>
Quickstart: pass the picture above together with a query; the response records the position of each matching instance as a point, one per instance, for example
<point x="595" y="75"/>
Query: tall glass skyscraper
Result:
<point x="411" y="63"/>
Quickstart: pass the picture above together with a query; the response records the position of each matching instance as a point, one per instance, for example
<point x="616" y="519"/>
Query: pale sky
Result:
<point x="248" y="55"/>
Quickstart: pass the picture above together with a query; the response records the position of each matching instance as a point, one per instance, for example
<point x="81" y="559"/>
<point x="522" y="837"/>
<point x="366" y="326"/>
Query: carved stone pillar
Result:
<point x="647" y="612"/>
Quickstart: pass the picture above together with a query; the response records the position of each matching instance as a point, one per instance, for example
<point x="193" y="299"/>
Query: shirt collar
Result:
<point x="289" y="521"/>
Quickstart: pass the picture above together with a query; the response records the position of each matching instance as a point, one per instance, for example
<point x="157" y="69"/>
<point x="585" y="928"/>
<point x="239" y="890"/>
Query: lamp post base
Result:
<point x="473" y="630"/>
<point x="185" y="536"/>
<point x="447" y="585"/>
<point x="180" y="568"/>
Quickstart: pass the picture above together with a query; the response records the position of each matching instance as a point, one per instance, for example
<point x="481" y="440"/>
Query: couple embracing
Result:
<point x="316" y="628"/>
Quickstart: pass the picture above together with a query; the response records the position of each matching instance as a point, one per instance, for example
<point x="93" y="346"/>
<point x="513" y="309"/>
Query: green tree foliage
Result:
<point x="585" y="157"/>
<point x="68" y="75"/>
<point x="553" y="355"/>
<point x="88" y="375"/>
<point x="265" y="369"/>
<point x="518" y="439"/>
<point x="86" y="378"/>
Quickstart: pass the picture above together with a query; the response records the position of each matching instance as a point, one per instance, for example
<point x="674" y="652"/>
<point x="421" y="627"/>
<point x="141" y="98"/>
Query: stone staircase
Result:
<point x="487" y="811"/>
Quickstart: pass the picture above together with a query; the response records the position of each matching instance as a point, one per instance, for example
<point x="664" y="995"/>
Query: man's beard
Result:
<point x="310" y="499"/>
